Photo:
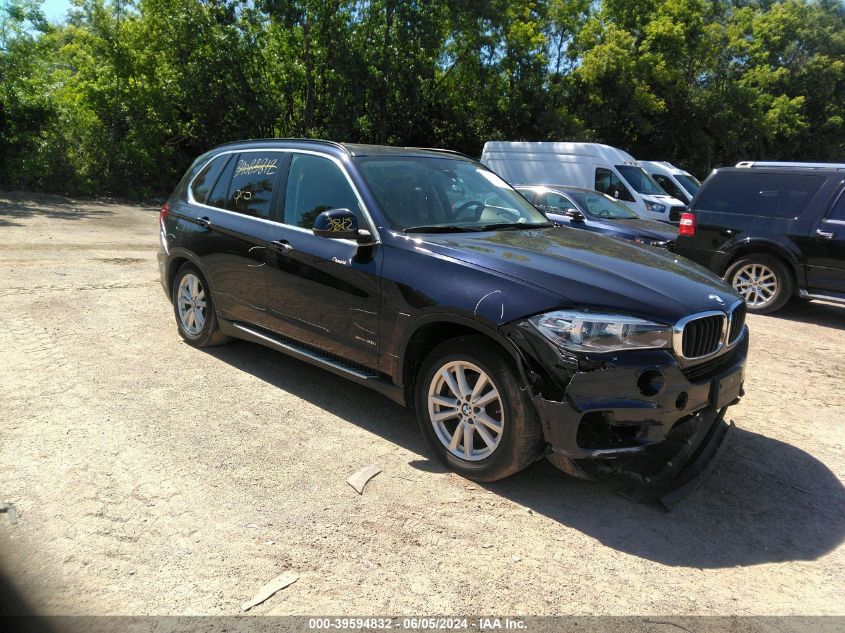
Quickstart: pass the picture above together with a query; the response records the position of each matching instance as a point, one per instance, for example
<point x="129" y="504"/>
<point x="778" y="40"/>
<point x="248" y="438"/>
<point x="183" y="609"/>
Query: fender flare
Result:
<point x="183" y="253"/>
<point x="765" y="246"/>
<point x="474" y="324"/>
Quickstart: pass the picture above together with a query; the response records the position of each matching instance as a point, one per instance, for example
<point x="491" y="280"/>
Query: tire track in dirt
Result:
<point x="103" y="518"/>
<point x="34" y="290"/>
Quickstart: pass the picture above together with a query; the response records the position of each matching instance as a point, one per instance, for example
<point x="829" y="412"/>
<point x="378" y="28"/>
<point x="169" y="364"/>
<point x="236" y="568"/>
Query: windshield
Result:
<point x="601" y="206"/>
<point x="690" y="183"/>
<point x="423" y="193"/>
<point x="640" y="180"/>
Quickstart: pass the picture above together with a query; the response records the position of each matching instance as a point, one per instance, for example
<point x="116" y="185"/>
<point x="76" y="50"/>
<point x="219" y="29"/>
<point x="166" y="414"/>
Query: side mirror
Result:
<point x="575" y="215"/>
<point x="338" y="224"/>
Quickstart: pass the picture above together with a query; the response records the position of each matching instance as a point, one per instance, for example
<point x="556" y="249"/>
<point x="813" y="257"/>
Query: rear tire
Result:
<point x="473" y="412"/>
<point x="193" y="307"/>
<point x="763" y="281"/>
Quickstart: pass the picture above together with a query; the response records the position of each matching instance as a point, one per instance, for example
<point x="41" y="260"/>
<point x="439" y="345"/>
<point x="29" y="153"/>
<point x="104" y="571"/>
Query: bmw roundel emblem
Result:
<point x="716" y="298"/>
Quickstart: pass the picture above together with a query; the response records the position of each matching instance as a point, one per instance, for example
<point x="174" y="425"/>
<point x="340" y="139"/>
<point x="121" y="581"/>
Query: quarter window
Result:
<point x="221" y="190"/>
<point x="205" y="179"/>
<point x="609" y="183"/>
<point x="316" y="184"/>
<point x="838" y="211"/>
<point x="251" y="190"/>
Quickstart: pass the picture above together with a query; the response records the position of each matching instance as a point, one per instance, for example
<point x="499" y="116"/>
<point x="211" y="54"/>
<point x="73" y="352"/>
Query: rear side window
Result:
<point x="609" y="183"/>
<point x="316" y="184"/>
<point x="251" y="189"/>
<point x="750" y="193"/>
<point x="201" y="186"/>
<point x="554" y="200"/>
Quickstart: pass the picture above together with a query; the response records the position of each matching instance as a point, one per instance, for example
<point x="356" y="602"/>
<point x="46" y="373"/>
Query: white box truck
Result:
<point x="673" y="180"/>
<point x="588" y="165"/>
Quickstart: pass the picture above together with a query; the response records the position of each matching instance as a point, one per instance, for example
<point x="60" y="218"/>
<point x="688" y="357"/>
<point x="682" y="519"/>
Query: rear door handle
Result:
<point x="727" y="232"/>
<point x="825" y="235"/>
<point x="282" y="245"/>
<point x="204" y="222"/>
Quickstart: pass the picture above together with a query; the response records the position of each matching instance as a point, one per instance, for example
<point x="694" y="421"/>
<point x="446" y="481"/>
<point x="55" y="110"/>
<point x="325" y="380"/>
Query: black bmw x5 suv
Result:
<point x="422" y="274"/>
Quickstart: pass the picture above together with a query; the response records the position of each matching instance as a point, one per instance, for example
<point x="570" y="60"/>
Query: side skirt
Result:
<point x="833" y="298"/>
<point x="314" y="357"/>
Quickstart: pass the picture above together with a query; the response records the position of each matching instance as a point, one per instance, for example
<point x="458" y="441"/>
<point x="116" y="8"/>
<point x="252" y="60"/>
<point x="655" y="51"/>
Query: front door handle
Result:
<point x="825" y="235"/>
<point x="282" y="245"/>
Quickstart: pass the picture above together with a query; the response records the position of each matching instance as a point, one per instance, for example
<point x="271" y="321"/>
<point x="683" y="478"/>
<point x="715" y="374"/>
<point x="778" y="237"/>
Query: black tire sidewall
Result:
<point x="517" y="408"/>
<point x="782" y="273"/>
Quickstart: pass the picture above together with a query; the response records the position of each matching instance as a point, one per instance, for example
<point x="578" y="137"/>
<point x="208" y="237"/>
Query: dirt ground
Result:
<point x="153" y="478"/>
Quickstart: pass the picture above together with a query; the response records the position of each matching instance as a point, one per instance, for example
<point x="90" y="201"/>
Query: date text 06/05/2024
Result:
<point x="417" y="623"/>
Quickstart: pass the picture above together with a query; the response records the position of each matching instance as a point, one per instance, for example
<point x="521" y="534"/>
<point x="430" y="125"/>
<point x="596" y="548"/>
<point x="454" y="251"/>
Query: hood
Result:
<point x="646" y="228"/>
<point x="669" y="201"/>
<point x="588" y="270"/>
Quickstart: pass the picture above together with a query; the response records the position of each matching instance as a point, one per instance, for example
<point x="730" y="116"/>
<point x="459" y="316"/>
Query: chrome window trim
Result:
<point x="367" y="216"/>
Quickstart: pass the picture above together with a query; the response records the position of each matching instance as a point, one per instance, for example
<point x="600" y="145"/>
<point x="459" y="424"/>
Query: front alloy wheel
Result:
<point x="466" y="410"/>
<point x="473" y="412"/>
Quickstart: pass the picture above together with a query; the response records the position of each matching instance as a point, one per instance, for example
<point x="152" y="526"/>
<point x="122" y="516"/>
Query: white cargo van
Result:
<point x="674" y="181"/>
<point x="587" y="165"/>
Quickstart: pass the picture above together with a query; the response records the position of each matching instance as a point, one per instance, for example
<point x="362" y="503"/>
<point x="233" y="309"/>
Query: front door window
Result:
<point x="609" y="183"/>
<point x="316" y="184"/>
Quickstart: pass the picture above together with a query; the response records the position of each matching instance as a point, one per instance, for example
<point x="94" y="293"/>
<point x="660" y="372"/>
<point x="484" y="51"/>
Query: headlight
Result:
<point x="592" y="332"/>
<point x="653" y="207"/>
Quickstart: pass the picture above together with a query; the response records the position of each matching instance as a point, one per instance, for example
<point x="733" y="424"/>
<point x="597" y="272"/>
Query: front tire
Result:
<point x="473" y="413"/>
<point x="194" y="308"/>
<point x="763" y="281"/>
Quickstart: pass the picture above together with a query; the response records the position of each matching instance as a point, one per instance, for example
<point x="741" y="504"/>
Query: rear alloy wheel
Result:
<point x="472" y="411"/>
<point x="194" y="309"/>
<point x="191" y="304"/>
<point x="762" y="281"/>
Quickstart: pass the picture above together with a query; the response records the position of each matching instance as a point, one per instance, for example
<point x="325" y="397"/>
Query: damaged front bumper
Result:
<point x="636" y="414"/>
<point x="614" y="412"/>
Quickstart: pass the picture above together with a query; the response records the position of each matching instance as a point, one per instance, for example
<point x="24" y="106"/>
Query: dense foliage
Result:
<point x="122" y="95"/>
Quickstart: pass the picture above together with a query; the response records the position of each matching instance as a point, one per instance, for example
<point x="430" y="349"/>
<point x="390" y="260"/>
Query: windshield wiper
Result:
<point x="514" y="226"/>
<point x="441" y="228"/>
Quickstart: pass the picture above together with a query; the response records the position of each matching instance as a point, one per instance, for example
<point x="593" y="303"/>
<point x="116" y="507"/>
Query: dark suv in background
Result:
<point x="772" y="231"/>
<point x="425" y="276"/>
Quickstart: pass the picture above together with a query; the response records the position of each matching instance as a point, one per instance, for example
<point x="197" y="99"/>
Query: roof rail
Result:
<point x="315" y="141"/>
<point x="445" y="151"/>
<point x="792" y="165"/>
